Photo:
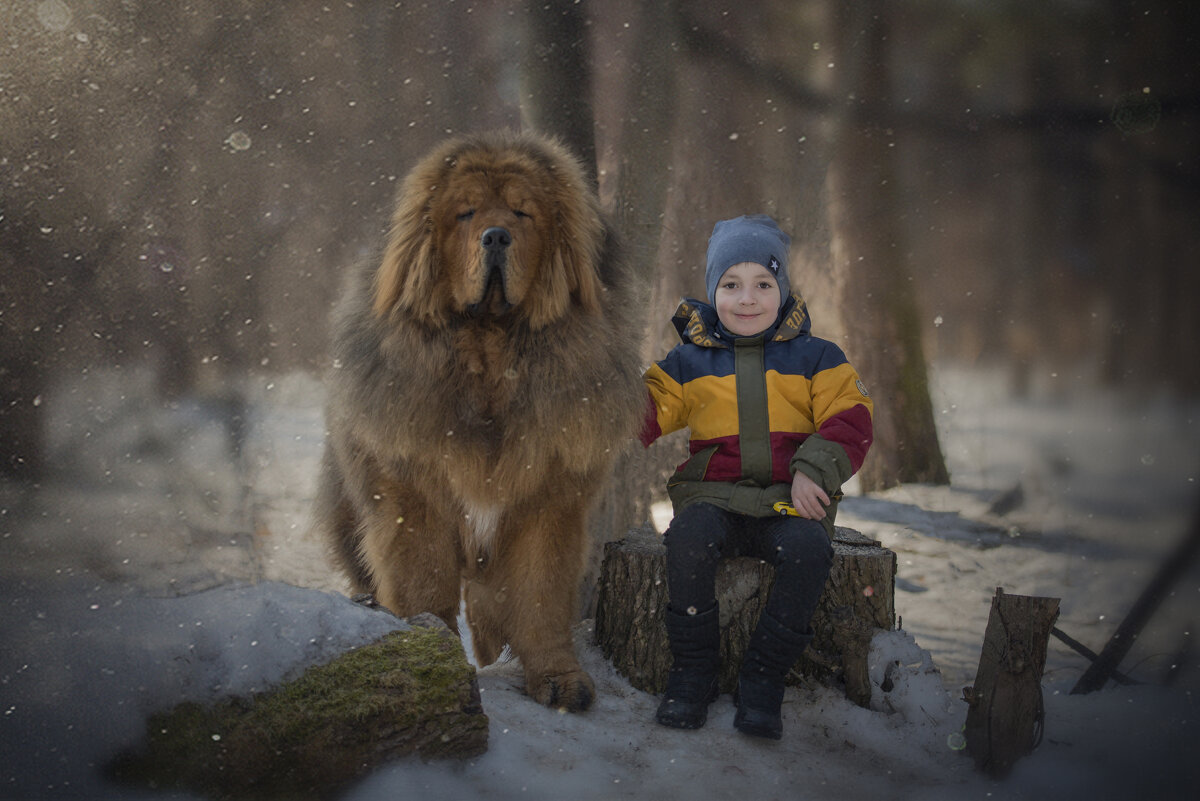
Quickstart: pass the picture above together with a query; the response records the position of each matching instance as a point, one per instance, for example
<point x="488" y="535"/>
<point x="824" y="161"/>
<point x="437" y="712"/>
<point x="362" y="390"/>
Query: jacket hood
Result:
<point x="697" y="323"/>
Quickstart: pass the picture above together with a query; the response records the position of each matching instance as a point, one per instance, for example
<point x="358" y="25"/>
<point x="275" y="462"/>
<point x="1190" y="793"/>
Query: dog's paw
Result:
<point x="568" y="692"/>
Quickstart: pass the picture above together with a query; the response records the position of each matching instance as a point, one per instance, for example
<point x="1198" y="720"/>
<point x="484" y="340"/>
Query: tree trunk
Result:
<point x="880" y="314"/>
<point x="643" y="152"/>
<point x="556" y="77"/>
<point x="558" y="80"/>
<point x="1146" y="204"/>
<point x="556" y="100"/>
<point x="858" y="601"/>
<point x="21" y="417"/>
<point x="1006" y="713"/>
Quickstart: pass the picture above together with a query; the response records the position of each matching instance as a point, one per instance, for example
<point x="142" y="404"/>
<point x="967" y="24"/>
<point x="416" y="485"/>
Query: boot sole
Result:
<point x="686" y="725"/>
<point x="766" y="731"/>
<point x="688" y="722"/>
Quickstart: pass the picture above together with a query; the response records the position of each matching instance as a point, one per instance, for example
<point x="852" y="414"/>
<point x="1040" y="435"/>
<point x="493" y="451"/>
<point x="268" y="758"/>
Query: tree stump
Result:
<point x="1005" y="711"/>
<point x="859" y="600"/>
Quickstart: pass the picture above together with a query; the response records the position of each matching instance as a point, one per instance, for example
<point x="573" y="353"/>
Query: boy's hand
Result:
<point x="808" y="498"/>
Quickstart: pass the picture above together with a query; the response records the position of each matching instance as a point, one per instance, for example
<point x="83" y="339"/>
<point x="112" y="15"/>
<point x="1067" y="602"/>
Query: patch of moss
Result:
<point x="410" y="692"/>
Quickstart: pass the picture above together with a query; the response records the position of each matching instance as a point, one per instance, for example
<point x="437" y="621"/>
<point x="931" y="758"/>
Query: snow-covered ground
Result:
<point x="168" y="559"/>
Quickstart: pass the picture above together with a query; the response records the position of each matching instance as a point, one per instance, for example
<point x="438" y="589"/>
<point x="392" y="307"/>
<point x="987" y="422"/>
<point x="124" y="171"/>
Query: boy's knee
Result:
<point x="699" y="511"/>
<point x="696" y="517"/>
<point x="805" y="540"/>
<point x="696" y="525"/>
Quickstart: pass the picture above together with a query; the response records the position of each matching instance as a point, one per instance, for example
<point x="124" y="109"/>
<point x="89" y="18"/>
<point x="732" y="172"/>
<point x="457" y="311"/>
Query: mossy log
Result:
<point x="859" y="600"/>
<point x="412" y="692"/>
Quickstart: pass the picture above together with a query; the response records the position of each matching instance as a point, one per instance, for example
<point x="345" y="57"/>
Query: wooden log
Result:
<point x="1005" y="712"/>
<point x="859" y="599"/>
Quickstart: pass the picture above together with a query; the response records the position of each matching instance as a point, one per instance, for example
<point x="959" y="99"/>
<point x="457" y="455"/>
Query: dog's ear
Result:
<point x="570" y="273"/>
<point x="405" y="279"/>
<point x="577" y="257"/>
<point x="579" y="240"/>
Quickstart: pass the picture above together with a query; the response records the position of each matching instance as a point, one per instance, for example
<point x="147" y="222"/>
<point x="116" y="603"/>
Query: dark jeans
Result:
<point x="799" y="549"/>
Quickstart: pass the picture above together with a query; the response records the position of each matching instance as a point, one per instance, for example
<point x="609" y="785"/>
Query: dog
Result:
<point x="486" y="372"/>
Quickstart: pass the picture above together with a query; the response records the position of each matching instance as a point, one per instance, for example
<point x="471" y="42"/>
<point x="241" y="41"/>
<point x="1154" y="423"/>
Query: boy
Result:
<point x="776" y="416"/>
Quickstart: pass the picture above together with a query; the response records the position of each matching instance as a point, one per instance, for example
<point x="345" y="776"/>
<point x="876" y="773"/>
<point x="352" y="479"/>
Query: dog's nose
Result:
<point x="496" y="238"/>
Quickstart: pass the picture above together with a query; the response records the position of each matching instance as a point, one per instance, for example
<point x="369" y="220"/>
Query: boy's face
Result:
<point x="747" y="299"/>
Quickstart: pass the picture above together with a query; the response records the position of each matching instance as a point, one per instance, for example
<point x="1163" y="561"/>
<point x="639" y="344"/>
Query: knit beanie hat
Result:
<point x="754" y="238"/>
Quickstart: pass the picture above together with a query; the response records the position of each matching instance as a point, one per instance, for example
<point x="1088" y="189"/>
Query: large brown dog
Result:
<point x="484" y="375"/>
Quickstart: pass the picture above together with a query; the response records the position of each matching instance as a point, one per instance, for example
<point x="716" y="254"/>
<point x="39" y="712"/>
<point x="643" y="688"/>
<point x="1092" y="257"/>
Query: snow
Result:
<point x="129" y="583"/>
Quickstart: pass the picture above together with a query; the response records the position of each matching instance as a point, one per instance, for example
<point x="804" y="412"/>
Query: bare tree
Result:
<point x="556" y="73"/>
<point x="558" y="78"/>
<point x="877" y="295"/>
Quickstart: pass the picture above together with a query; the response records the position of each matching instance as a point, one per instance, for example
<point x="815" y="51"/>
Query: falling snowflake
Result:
<point x="238" y="140"/>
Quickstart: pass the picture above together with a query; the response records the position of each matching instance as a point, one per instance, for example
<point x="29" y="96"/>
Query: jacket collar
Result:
<point x="697" y="323"/>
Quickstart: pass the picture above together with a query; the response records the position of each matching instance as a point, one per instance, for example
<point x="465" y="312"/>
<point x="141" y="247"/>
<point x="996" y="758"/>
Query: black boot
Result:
<point x="692" y="683"/>
<point x="773" y="650"/>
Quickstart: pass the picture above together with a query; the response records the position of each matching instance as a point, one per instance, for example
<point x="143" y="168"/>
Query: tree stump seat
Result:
<point x="858" y="601"/>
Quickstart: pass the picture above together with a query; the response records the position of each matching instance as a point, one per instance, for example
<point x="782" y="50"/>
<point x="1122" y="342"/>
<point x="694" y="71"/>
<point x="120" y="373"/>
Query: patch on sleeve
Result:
<point x="862" y="387"/>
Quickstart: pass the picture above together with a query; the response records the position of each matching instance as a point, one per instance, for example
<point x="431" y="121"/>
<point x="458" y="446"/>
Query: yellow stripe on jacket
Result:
<point x="709" y="405"/>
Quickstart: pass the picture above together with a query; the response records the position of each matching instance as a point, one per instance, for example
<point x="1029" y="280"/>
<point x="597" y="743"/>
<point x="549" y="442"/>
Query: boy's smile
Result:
<point x="747" y="299"/>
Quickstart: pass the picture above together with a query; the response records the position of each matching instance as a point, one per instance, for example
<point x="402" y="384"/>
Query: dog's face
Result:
<point x="500" y="227"/>
<point x="493" y="228"/>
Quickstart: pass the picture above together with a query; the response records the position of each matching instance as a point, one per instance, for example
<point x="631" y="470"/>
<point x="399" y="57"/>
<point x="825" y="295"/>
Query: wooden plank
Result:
<point x="1005" y="714"/>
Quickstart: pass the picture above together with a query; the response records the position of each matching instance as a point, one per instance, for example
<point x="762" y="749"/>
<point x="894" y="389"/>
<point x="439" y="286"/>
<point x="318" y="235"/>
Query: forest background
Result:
<point x="1008" y="183"/>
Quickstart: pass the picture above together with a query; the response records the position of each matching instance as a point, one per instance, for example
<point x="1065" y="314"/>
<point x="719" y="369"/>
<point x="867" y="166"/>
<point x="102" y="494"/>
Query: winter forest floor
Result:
<point x="167" y="558"/>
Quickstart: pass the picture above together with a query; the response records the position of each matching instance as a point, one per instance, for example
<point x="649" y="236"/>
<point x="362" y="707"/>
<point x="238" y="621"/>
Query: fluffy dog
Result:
<point x="484" y="375"/>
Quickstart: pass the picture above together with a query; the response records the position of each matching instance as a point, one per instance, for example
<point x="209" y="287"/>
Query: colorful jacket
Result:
<point x="758" y="409"/>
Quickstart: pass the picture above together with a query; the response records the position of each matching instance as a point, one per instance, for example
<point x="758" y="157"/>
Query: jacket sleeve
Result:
<point x="842" y="412"/>
<point x="666" y="410"/>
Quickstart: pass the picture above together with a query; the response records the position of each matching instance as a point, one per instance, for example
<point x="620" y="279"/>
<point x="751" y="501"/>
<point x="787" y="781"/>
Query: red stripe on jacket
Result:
<point x="852" y="429"/>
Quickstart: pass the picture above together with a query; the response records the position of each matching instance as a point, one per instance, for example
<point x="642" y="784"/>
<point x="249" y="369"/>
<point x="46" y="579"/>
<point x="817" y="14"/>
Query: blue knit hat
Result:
<point x="754" y="238"/>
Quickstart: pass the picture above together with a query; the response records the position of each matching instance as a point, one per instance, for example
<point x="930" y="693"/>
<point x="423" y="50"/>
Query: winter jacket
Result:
<point x="758" y="409"/>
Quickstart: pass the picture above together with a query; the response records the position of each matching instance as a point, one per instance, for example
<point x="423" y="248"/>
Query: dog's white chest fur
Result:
<point x="482" y="525"/>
